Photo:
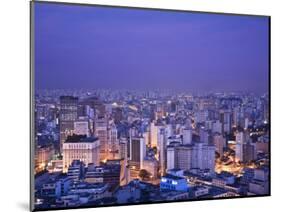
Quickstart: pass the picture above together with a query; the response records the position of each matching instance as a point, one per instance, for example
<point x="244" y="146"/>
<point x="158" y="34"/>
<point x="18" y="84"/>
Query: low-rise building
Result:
<point x="173" y="183"/>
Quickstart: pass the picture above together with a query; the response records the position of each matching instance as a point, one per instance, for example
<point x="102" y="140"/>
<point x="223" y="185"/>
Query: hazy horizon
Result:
<point x="119" y="48"/>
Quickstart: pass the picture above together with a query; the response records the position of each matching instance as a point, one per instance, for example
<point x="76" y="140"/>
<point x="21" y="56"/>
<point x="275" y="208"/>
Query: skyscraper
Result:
<point x="101" y="125"/>
<point x="68" y="114"/>
<point x="219" y="142"/>
<point x="81" y="126"/>
<point x="187" y="136"/>
<point x="203" y="157"/>
<point x="162" y="151"/>
<point x="240" y="140"/>
<point x="113" y="143"/>
<point x="137" y="150"/>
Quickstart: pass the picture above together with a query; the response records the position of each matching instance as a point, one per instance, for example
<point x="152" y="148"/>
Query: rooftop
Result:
<point x="172" y="177"/>
<point x="80" y="139"/>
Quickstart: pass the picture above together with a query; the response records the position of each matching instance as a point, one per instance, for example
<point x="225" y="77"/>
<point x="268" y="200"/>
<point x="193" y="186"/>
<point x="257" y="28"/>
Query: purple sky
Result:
<point x="102" y="47"/>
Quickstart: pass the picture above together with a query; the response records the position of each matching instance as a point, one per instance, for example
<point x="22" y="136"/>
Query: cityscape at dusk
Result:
<point x="144" y="106"/>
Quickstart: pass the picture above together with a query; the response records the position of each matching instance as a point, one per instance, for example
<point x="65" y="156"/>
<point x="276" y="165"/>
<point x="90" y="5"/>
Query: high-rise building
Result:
<point x="85" y="149"/>
<point x="204" y="135"/>
<point x="153" y="134"/>
<point x="187" y="136"/>
<point x="123" y="149"/>
<point x="240" y="140"/>
<point x="118" y="114"/>
<point x="162" y="142"/>
<point x="113" y="143"/>
<point x="225" y="119"/>
<point x="260" y="183"/>
<point x="101" y="131"/>
<point x="249" y="152"/>
<point x="219" y="142"/>
<point x="81" y="126"/>
<point x="184" y="157"/>
<point x="68" y="114"/>
<point x="137" y="150"/>
<point x="203" y="157"/>
<point x="137" y="154"/>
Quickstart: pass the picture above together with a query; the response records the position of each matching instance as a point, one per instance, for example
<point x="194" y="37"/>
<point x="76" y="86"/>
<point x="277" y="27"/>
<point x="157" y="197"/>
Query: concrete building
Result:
<point x="240" y="140"/>
<point x="151" y="165"/>
<point x="219" y="142"/>
<point x="162" y="149"/>
<point x="101" y="131"/>
<point x="113" y="143"/>
<point x="76" y="170"/>
<point x="203" y="157"/>
<point x="68" y="114"/>
<point x="187" y="136"/>
<point x="85" y="149"/>
<point x="173" y="183"/>
<point x="260" y="183"/>
<point x="81" y="126"/>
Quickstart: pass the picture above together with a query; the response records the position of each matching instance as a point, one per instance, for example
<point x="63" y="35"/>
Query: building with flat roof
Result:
<point x="78" y="147"/>
<point x="173" y="183"/>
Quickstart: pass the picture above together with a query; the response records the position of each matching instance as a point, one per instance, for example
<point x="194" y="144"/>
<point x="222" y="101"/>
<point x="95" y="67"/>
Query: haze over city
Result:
<point x="143" y="106"/>
<point x="117" y="48"/>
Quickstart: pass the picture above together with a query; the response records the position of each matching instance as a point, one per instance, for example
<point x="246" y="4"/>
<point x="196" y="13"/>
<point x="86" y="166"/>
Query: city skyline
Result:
<point x="74" y="48"/>
<point x="139" y="106"/>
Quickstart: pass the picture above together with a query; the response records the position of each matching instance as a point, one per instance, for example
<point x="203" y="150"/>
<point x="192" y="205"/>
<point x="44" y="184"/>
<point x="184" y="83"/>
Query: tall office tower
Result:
<point x="249" y="152"/>
<point x="68" y="114"/>
<point x="204" y="135"/>
<point x="124" y="149"/>
<point x="137" y="150"/>
<point x="219" y="142"/>
<point x="160" y="111"/>
<point x="169" y="130"/>
<point x="227" y="121"/>
<point x="81" y="126"/>
<point x="266" y="109"/>
<point x="97" y="105"/>
<point x="183" y="157"/>
<point x="137" y="154"/>
<point x="203" y="157"/>
<point x="187" y="136"/>
<point x="246" y="124"/>
<point x="153" y="134"/>
<point x="236" y="116"/>
<point x="113" y="143"/>
<point x="240" y="140"/>
<point x="162" y="151"/>
<point x="118" y="114"/>
<point x="81" y="148"/>
<point x="101" y="132"/>
<point x="171" y="157"/>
